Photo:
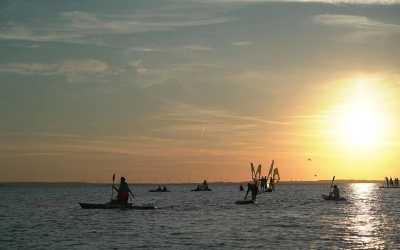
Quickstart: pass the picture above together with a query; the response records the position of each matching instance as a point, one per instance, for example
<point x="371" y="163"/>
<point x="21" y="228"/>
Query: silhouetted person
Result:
<point x="264" y="183"/>
<point x="335" y="192"/>
<point x="164" y="189"/>
<point x="396" y="182"/>
<point x="241" y="188"/>
<point x="387" y="181"/>
<point x="391" y="182"/>
<point x="123" y="191"/>
<point x="271" y="184"/>
<point x="159" y="188"/>
<point x="253" y="188"/>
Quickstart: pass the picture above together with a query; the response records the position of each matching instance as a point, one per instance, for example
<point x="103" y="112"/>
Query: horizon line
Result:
<point x="183" y="183"/>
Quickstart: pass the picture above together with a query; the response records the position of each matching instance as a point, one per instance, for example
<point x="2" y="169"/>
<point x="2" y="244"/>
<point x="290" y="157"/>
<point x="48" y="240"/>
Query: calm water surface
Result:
<point x="294" y="217"/>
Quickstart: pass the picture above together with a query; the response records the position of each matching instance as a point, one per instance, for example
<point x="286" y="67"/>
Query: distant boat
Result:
<point x="202" y="187"/>
<point x="159" y="189"/>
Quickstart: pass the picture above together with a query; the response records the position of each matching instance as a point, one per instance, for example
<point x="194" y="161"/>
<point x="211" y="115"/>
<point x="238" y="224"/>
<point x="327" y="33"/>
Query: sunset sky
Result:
<point x="186" y="90"/>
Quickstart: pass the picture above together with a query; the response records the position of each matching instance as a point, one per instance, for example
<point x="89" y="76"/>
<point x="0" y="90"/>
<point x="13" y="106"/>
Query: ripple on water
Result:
<point x="293" y="217"/>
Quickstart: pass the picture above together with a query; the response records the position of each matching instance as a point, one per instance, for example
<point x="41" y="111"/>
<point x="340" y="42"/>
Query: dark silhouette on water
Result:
<point x="202" y="187"/>
<point x="123" y="192"/>
<point x="121" y="202"/>
<point x="334" y="193"/>
<point x="389" y="183"/>
<point x="253" y="188"/>
<point x="159" y="189"/>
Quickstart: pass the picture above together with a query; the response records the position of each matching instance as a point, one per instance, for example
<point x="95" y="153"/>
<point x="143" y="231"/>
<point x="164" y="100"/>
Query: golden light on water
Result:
<point x="365" y="222"/>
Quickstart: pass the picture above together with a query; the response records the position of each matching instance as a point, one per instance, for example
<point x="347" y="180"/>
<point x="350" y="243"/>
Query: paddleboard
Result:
<point x="244" y="202"/>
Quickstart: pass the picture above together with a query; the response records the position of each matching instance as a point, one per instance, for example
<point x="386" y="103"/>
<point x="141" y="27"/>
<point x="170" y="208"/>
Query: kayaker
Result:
<point x="123" y="191"/>
<point x="335" y="192"/>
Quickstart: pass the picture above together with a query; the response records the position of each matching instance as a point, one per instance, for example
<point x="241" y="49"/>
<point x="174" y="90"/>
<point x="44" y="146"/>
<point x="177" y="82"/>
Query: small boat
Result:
<point x="330" y="198"/>
<point x="116" y="205"/>
<point x="200" y="190"/>
<point x="244" y="202"/>
<point x="202" y="187"/>
<point x="158" y="191"/>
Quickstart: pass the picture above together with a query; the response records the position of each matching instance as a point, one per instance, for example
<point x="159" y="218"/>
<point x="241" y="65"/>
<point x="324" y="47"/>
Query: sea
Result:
<point x="48" y="216"/>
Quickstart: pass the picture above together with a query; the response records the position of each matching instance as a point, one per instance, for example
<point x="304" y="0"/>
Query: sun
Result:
<point x="360" y="125"/>
<point x="359" y="122"/>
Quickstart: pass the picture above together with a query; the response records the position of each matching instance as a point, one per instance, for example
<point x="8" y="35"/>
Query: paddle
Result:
<point x="330" y="188"/>
<point x="112" y="187"/>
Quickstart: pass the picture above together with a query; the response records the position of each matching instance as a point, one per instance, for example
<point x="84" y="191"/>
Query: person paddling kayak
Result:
<point x="335" y="194"/>
<point x="123" y="191"/>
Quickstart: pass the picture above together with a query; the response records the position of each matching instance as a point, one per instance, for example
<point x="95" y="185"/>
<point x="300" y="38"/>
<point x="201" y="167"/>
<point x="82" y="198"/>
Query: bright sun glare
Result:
<point x="360" y="123"/>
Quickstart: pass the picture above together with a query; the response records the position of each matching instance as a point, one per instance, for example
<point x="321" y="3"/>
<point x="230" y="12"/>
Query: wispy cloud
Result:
<point x="362" y="26"/>
<point x="242" y="43"/>
<point x="189" y="117"/>
<point x="89" y="28"/>
<point x="197" y="48"/>
<point x="73" y="69"/>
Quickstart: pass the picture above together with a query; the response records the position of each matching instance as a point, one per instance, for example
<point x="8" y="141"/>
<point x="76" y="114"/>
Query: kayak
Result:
<point x="110" y="205"/>
<point x="330" y="198"/>
<point x="158" y="191"/>
<point x="244" y="202"/>
<point x="200" y="190"/>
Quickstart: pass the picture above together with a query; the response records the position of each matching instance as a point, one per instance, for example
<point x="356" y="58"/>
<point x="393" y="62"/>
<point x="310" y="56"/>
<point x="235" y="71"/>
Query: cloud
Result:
<point x="71" y="68"/>
<point x="197" y="48"/>
<point x="142" y="49"/>
<point x="356" y="22"/>
<point x="89" y="28"/>
<point x="361" y="28"/>
<point x="242" y="43"/>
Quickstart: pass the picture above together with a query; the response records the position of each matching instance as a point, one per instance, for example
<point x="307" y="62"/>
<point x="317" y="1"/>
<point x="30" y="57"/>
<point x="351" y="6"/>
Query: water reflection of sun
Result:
<point x="365" y="219"/>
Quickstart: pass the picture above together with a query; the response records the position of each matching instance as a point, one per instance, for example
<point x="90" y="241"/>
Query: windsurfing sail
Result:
<point x="270" y="169"/>
<point x="255" y="174"/>
<point x="276" y="176"/>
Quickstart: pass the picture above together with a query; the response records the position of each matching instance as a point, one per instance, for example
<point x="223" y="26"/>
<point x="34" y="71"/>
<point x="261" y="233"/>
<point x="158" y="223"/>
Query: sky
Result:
<point x="185" y="90"/>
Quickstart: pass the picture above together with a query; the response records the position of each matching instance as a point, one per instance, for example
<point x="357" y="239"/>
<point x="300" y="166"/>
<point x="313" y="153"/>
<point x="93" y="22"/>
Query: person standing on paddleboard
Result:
<point x="123" y="191"/>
